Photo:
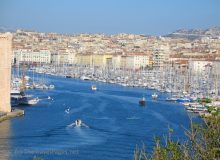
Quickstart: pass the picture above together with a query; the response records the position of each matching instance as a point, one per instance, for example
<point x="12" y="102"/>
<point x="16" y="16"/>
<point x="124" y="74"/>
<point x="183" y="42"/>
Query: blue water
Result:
<point x="116" y="123"/>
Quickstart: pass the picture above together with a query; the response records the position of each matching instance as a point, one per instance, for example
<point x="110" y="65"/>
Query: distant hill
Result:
<point x="4" y="29"/>
<point x="195" y="33"/>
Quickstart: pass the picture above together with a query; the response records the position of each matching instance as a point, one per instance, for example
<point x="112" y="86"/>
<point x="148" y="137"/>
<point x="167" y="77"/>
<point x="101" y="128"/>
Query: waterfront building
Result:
<point x="101" y="60"/>
<point x="89" y="59"/>
<point x="84" y="59"/>
<point x="198" y="66"/>
<point x="55" y="58"/>
<point x="72" y="58"/>
<point x="159" y="57"/>
<point x="63" y="58"/>
<point x="116" y="61"/>
<point x="135" y="61"/>
<point x="5" y="71"/>
<point x="218" y="55"/>
<point x="30" y="56"/>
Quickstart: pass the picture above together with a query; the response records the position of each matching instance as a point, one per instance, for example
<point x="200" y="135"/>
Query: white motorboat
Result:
<point x="51" y="86"/>
<point x="154" y="96"/>
<point x="94" y="88"/>
<point x="28" y="101"/>
<point x="84" y="78"/>
<point x="78" y="123"/>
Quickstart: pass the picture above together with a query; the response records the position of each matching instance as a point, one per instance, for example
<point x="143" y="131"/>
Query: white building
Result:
<point x="29" y="56"/>
<point x="199" y="66"/>
<point x="134" y="61"/>
<point x="116" y="61"/>
<point x="159" y="57"/>
<point x="64" y="58"/>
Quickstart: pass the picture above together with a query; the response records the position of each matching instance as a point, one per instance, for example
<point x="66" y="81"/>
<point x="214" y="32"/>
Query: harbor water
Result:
<point x="116" y="123"/>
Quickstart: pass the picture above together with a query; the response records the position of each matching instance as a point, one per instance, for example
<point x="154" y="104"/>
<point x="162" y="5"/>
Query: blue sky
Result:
<point x="154" y="17"/>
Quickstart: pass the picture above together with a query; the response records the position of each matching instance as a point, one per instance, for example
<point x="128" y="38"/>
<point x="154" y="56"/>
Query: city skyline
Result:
<point x="151" y="17"/>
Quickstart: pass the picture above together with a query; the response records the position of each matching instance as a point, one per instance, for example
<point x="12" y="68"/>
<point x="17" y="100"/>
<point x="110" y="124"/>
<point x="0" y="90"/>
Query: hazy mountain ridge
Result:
<point x="180" y="33"/>
<point x="195" y="33"/>
<point x="4" y="29"/>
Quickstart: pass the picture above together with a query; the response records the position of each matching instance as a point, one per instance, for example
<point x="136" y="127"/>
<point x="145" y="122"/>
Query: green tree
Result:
<point x="203" y="143"/>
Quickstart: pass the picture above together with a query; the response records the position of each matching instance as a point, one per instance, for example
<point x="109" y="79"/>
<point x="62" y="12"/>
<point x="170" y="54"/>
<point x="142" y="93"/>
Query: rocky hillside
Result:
<point x="195" y="33"/>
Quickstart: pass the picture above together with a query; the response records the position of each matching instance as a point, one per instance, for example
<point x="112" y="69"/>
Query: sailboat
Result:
<point x="93" y="87"/>
<point x="142" y="101"/>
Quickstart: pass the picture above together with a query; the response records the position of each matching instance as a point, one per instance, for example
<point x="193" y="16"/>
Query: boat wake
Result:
<point x="74" y="125"/>
<point x="133" y="118"/>
<point x="84" y="135"/>
<point x="103" y="118"/>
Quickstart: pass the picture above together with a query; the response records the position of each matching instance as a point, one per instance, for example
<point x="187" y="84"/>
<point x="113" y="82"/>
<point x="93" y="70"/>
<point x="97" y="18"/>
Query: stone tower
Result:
<point x="5" y="71"/>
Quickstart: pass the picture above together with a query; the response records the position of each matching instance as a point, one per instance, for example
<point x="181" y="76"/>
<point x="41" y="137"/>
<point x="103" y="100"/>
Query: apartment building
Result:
<point x="101" y="60"/>
<point x="116" y="61"/>
<point x="199" y="66"/>
<point x="84" y="59"/>
<point x="136" y="61"/>
<point x="159" y="57"/>
<point x="98" y="60"/>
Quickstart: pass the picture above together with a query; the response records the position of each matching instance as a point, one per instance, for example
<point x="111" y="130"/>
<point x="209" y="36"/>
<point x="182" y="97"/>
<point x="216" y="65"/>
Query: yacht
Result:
<point x="16" y="94"/>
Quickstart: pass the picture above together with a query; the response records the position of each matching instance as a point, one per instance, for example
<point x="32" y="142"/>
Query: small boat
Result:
<point x="142" y="101"/>
<point x="29" y="101"/>
<point x="172" y="98"/>
<point x="154" y="96"/>
<point x="183" y="99"/>
<point x="68" y="76"/>
<point x="94" y="88"/>
<point x="84" y="78"/>
<point x="51" y="86"/>
<point x="67" y="110"/>
<point x="78" y="123"/>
